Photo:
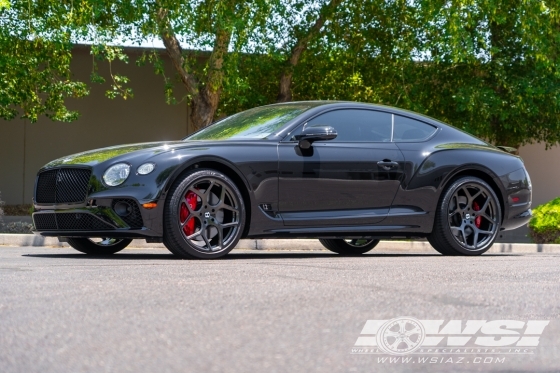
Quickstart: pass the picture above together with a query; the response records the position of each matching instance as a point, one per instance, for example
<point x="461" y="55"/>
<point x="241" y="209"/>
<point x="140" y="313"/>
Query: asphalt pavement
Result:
<point x="142" y="310"/>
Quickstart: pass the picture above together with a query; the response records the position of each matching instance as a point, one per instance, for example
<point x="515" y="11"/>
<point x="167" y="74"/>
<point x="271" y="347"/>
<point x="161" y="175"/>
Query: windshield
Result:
<point x="257" y="123"/>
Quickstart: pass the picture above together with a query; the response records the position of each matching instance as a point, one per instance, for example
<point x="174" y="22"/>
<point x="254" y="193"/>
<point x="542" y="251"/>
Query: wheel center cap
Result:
<point x="467" y="216"/>
<point x="206" y="215"/>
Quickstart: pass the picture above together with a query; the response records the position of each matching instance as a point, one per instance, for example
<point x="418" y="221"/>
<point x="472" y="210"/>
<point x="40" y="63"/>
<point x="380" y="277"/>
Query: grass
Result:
<point x="17" y="210"/>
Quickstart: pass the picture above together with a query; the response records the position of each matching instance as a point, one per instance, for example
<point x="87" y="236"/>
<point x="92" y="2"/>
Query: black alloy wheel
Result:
<point x="98" y="246"/>
<point x="349" y="246"/>
<point x="204" y="215"/>
<point x="467" y="219"/>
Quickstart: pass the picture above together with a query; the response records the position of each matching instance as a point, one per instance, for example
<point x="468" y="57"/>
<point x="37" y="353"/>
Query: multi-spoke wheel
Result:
<point x="205" y="215"/>
<point x="468" y="218"/>
<point x="98" y="246"/>
<point x="349" y="246"/>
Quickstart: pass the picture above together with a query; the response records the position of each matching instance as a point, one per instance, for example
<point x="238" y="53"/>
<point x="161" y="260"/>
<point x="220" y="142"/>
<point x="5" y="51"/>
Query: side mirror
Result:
<point x="312" y="134"/>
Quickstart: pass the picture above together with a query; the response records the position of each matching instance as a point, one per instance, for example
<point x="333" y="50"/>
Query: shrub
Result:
<point x="544" y="226"/>
<point x="18" y="210"/>
<point x="18" y="227"/>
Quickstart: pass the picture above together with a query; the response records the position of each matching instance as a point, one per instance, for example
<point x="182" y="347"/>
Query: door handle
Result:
<point x="387" y="164"/>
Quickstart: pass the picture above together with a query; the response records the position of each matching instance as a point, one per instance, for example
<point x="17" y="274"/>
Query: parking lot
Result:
<point x="142" y="310"/>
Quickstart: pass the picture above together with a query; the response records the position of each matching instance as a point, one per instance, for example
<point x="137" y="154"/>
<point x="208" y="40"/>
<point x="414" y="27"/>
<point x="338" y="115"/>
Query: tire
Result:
<point x="204" y="215"/>
<point x="468" y="218"/>
<point x="106" y="246"/>
<point x="350" y="246"/>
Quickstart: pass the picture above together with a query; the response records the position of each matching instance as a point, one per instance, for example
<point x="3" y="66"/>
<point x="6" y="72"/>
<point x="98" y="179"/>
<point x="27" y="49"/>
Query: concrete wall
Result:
<point x="25" y="147"/>
<point x="544" y="168"/>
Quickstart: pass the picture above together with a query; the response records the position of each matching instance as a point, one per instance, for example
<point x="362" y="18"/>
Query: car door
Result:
<point x="350" y="180"/>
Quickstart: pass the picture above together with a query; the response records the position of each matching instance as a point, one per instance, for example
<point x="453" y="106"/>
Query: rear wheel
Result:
<point x="467" y="219"/>
<point x="204" y="215"/>
<point x="99" y="246"/>
<point x="349" y="246"/>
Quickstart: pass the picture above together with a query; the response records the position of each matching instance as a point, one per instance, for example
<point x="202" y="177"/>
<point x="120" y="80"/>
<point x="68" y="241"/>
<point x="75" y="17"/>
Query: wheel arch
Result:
<point x="482" y="173"/>
<point x="223" y="166"/>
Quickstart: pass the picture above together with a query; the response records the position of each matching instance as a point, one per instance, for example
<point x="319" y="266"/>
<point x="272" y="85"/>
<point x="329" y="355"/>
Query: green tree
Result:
<point x="487" y="66"/>
<point x="35" y="58"/>
<point x="216" y="29"/>
<point x="493" y="67"/>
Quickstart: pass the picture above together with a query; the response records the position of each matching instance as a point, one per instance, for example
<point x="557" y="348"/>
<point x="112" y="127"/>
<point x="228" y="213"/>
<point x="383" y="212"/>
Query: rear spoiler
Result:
<point x="508" y="149"/>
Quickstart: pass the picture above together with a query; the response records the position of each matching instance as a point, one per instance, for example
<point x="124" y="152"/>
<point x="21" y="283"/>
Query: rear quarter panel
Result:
<point x="429" y="170"/>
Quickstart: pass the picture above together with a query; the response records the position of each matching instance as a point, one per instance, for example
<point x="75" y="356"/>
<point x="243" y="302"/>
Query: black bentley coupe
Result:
<point x="348" y="174"/>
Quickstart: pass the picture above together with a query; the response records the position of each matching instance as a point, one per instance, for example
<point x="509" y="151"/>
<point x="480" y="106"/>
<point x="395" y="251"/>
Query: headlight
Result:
<point x="146" y="168"/>
<point x="116" y="174"/>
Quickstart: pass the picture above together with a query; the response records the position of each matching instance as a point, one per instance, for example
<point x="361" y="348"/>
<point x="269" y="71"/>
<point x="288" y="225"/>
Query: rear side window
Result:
<point x="407" y="129"/>
<point x="354" y="125"/>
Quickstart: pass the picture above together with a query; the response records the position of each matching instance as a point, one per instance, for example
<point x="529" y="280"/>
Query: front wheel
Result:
<point x="468" y="218"/>
<point x="204" y="215"/>
<point x="99" y="246"/>
<point x="349" y="246"/>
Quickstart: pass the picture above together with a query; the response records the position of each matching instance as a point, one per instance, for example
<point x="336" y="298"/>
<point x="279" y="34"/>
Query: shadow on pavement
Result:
<point x="247" y="255"/>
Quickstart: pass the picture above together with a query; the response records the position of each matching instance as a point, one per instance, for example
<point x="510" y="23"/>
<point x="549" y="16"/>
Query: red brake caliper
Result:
<point x="478" y="219"/>
<point x="190" y="226"/>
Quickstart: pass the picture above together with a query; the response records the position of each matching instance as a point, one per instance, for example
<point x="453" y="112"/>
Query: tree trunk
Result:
<point x="203" y="108"/>
<point x="285" y="93"/>
<point x="205" y="104"/>
<point x="205" y="95"/>
<point x="285" y="86"/>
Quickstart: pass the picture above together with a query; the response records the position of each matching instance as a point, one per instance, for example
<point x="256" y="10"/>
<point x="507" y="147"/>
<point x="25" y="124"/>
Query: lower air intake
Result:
<point x="69" y="222"/>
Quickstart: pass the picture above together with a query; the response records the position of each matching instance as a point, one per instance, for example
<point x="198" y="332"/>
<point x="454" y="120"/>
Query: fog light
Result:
<point x="122" y="208"/>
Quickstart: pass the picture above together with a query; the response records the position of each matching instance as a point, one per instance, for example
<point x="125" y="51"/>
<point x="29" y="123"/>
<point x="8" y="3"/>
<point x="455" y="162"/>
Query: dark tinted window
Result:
<point x="356" y="125"/>
<point x="407" y="129"/>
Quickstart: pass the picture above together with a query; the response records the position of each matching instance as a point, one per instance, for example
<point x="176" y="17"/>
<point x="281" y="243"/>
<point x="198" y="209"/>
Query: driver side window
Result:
<point x="354" y="125"/>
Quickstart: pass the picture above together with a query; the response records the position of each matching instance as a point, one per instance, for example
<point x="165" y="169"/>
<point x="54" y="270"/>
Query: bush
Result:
<point x="19" y="227"/>
<point x="18" y="210"/>
<point x="544" y="226"/>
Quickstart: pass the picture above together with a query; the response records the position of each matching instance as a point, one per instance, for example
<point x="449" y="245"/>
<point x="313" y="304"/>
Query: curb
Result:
<point x="26" y="240"/>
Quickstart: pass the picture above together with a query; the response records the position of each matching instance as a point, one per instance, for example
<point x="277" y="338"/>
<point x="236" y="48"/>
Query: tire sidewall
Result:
<point x="340" y="246"/>
<point x="172" y="232"/>
<point x="86" y="246"/>
<point x="444" y="208"/>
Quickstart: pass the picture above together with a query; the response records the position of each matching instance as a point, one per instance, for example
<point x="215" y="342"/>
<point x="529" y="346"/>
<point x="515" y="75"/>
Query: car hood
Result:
<point x="93" y="157"/>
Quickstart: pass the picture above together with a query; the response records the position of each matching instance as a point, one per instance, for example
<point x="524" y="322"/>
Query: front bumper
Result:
<point x="99" y="218"/>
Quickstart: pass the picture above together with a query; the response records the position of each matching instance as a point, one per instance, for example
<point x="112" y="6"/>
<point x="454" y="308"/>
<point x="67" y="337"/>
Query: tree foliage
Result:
<point x="35" y="60"/>
<point x="487" y="66"/>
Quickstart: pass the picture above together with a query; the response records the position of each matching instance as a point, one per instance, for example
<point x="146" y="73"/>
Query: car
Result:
<point x="346" y="173"/>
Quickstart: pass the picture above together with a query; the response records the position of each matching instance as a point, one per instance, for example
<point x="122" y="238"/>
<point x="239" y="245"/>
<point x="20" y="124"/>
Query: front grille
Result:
<point x="63" y="185"/>
<point x="44" y="222"/>
<point x="69" y="221"/>
<point x="134" y="217"/>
